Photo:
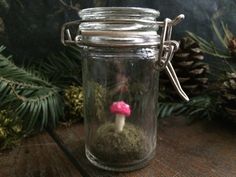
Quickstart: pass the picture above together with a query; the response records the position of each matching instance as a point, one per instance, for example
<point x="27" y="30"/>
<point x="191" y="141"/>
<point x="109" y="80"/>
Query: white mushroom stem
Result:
<point x="120" y="122"/>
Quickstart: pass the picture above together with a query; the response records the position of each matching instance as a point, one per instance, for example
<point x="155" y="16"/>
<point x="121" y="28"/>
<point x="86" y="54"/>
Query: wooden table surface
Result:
<point x="196" y="150"/>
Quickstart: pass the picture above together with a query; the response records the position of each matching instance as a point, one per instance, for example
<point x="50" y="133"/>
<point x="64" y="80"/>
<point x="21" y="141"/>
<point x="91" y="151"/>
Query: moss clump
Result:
<point x="74" y="100"/>
<point x="119" y="147"/>
<point x="10" y="130"/>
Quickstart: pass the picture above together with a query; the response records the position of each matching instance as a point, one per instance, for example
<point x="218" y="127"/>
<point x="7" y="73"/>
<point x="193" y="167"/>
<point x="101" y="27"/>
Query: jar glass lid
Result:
<point x="119" y="12"/>
<point x="119" y="26"/>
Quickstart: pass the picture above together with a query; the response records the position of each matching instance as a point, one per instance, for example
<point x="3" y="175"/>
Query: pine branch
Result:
<point x="9" y="70"/>
<point x="224" y="36"/>
<point x="228" y="34"/>
<point x="63" y="69"/>
<point x="203" y="107"/>
<point x="218" y="34"/>
<point x="209" y="47"/>
<point x="166" y="109"/>
<point x="34" y="100"/>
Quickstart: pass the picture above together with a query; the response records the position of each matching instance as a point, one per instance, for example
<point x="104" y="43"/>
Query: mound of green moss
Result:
<point x="119" y="147"/>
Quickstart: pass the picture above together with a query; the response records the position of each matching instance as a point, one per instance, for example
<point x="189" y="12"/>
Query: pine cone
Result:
<point x="190" y="69"/>
<point x="228" y="95"/>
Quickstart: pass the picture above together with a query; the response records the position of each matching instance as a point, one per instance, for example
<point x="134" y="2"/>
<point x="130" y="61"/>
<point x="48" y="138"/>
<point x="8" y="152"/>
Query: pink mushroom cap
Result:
<point x="120" y="107"/>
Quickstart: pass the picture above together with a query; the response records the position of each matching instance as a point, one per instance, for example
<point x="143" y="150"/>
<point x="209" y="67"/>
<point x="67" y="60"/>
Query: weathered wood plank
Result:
<point x="36" y="157"/>
<point x="198" y="150"/>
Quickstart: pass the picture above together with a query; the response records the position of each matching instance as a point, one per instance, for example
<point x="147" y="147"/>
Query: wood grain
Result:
<point x="197" y="150"/>
<point x="36" y="157"/>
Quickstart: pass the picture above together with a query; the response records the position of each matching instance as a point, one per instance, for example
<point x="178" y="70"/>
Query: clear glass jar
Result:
<point x="111" y="76"/>
<point x="121" y="65"/>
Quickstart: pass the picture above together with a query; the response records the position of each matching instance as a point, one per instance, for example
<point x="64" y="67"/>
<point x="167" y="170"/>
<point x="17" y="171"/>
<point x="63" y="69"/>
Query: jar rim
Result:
<point x="124" y="10"/>
<point x="119" y="26"/>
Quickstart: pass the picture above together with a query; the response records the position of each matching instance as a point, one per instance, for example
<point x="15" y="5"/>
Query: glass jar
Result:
<point x="122" y="57"/>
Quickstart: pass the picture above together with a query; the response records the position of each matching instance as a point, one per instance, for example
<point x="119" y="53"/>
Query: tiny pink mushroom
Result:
<point x="122" y="110"/>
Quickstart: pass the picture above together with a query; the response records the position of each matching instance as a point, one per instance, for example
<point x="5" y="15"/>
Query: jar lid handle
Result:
<point x="167" y="47"/>
<point x="166" y="53"/>
<point x="175" y="81"/>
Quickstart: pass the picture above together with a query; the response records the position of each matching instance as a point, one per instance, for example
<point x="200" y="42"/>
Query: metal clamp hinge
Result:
<point x="166" y="53"/>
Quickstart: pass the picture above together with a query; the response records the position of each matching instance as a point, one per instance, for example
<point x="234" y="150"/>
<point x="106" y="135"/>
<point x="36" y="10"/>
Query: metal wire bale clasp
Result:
<point x="166" y="53"/>
<point x="68" y="40"/>
<point x="166" y="44"/>
<point x="167" y="47"/>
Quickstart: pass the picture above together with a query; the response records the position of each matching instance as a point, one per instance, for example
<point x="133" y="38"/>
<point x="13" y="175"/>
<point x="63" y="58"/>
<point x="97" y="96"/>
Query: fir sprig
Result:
<point x="209" y="47"/>
<point x="166" y="109"/>
<point x="224" y="35"/>
<point x="63" y="69"/>
<point x="34" y="100"/>
<point x="204" y="107"/>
